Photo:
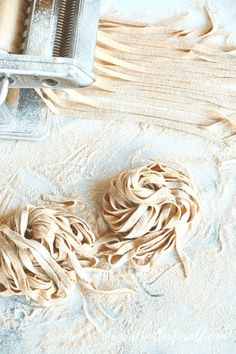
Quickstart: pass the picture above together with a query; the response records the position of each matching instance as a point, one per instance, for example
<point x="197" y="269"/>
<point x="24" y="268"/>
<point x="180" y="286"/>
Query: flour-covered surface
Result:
<point x="166" y="313"/>
<point x="156" y="10"/>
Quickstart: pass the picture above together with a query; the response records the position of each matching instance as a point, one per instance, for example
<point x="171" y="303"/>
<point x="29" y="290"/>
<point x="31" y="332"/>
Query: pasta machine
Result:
<point x="52" y="46"/>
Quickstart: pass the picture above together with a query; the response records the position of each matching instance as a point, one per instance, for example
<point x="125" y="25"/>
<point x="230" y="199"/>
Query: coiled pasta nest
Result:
<point x="149" y="210"/>
<point x="43" y="252"/>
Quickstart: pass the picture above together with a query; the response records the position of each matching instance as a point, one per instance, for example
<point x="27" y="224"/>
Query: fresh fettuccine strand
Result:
<point x="151" y="73"/>
<point x="149" y="210"/>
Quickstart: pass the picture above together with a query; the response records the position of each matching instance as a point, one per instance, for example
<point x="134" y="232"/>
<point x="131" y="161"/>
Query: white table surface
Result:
<point x="200" y="315"/>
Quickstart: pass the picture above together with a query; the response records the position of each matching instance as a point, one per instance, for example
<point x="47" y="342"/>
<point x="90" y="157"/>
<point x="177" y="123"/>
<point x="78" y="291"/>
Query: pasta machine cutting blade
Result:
<point x="53" y="48"/>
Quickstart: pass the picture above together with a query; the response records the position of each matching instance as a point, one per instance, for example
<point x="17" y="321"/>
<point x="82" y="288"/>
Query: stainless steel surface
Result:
<point x="5" y="114"/>
<point x="57" y="48"/>
<point x="32" y="72"/>
<point x="41" y="27"/>
<point x="25" y="116"/>
<point x="5" y="82"/>
<point x="65" y="29"/>
<point x="84" y="44"/>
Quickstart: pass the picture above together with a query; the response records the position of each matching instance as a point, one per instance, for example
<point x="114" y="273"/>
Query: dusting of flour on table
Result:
<point x="168" y="314"/>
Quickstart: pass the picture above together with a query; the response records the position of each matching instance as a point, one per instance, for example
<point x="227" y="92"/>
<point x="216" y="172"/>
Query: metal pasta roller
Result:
<point x="51" y="45"/>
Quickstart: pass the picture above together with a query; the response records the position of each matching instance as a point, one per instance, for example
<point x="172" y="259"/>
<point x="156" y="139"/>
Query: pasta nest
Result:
<point x="43" y="252"/>
<point x="149" y="210"/>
